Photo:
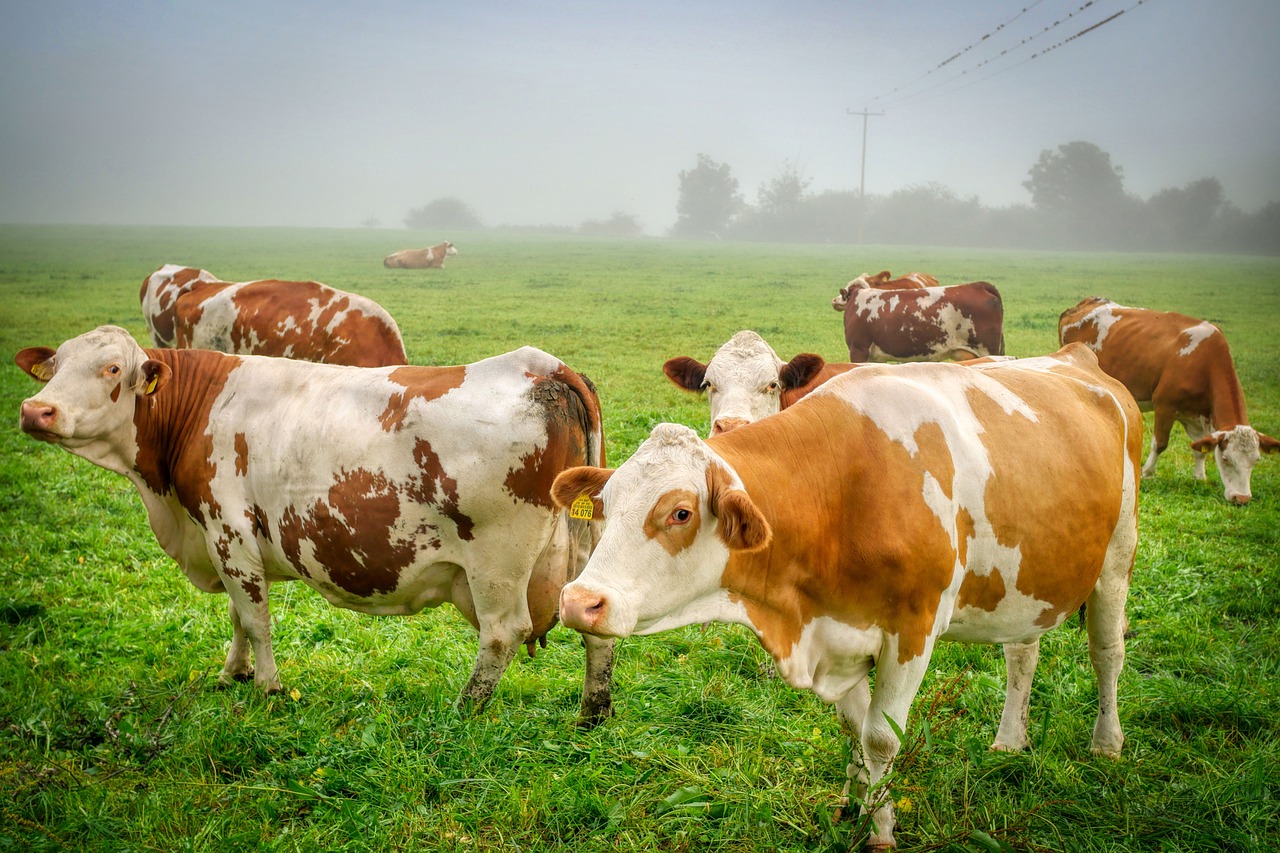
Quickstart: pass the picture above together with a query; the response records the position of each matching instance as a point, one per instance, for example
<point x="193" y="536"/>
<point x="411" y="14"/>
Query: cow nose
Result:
<point x="582" y="609"/>
<point x="37" y="417"/>
<point x="726" y="424"/>
<point x="1240" y="500"/>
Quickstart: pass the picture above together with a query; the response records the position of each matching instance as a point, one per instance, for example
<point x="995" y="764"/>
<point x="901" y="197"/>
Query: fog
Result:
<point x="336" y="113"/>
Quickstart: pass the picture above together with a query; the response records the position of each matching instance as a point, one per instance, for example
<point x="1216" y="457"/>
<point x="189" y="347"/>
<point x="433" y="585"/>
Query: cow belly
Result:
<point x="429" y="586"/>
<point x="1014" y="621"/>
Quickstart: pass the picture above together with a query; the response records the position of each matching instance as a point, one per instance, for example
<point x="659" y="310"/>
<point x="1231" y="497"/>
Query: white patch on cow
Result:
<point x="743" y="379"/>
<point x="1195" y="335"/>
<point x="830" y="658"/>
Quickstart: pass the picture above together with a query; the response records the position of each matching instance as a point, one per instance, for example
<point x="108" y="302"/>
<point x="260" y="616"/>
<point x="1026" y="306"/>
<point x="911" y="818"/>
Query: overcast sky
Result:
<point x="328" y="113"/>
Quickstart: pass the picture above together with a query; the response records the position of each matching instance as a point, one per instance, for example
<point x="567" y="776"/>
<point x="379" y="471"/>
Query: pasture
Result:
<point x="113" y="736"/>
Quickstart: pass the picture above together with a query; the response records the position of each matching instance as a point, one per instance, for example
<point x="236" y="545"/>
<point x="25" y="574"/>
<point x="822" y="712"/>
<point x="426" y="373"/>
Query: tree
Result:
<point x="444" y="213"/>
<point x="785" y="192"/>
<point x="1080" y="190"/>
<point x="709" y="200"/>
<point x="1183" y="218"/>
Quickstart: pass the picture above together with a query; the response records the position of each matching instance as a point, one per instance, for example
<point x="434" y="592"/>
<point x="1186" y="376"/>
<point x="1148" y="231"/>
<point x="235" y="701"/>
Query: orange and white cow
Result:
<point x="884" y="280"/>
<point x="420" y="259"/>
<point x="746" y="380"/>
<point x="387" y="489"/>
<point x="893" y="507"/>
<point x="1180" y="368"/>
<point x="191" y="308"/>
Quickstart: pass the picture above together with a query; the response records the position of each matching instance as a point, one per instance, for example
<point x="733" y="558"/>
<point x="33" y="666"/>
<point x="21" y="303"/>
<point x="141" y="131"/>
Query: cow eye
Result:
<point x="708" y="387"/>
<point x="773" y="386"/>
<point x="114" y="370"/>
<point x="680" y="516"/>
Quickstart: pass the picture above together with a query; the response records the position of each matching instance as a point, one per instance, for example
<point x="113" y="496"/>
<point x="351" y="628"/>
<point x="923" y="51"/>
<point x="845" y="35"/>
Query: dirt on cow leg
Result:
<point x="597" y="696"/>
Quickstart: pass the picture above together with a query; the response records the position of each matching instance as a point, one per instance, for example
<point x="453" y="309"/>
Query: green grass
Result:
<point x="112" y="736"/>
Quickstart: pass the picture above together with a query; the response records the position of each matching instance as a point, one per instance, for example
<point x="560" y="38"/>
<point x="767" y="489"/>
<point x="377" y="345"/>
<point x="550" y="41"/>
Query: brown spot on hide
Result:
<point x="567" y="421"/>
<point x="660" y="525"/>
<point x="115" y="393"/>
<point x="242" y="455"/>
<point x="253" y="589"/>
<point x="437" y="488"/>
<point x="982" y="591"/>
<point x="422" y="384"/>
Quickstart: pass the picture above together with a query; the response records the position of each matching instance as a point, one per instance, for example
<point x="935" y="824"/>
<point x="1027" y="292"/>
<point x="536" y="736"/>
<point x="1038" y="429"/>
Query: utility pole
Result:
<point x="862" y="181"/>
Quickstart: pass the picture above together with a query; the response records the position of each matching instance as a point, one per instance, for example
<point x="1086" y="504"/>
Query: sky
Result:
<point x="334" y="114"/>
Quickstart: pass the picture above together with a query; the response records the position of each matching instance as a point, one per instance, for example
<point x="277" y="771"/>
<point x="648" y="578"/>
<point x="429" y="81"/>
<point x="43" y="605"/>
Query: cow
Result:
<point x="1180" y="368"/>
<point x="386" y="489"/>
<point x="746" y="380"/>
<point x="924" y="324"/>
<point x="892" y="507"/>
<point x="420" y="259"/>
<point x="884" y="280"/>
<point x="191" y="308"/>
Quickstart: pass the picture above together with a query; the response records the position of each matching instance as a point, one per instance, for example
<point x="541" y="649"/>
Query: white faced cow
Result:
<point x="190" y="308"/>
<point x="420" y="259"/>
<point x="1181" y="368"/>
<point x="385" y="489"/>
<point x="893" y="507"/>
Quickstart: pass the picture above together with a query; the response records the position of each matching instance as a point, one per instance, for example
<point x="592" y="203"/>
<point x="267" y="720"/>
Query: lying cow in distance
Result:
<point x="884" y="280"/>
<point x="893" y="507"/>
<point x="190" y="308"/>
<point x="1180" y="368"/>
<point x="924" y="324"/>
<point x="746" y="381"/>
<point x="420" y="259"/>
<point x="387" y="489"/>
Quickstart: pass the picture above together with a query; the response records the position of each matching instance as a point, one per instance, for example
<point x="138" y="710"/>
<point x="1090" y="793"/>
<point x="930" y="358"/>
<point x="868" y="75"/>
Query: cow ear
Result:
<point x="1267" y="444"/>
<point x="687" y="373"/>
<point x="575" y="487"/>
<point x="1209" y="442"/>
<point x="799" y="371"/>
<point x="155" y="375"/>
<point x="742" y="527"/>
<point x="36" y="362"/>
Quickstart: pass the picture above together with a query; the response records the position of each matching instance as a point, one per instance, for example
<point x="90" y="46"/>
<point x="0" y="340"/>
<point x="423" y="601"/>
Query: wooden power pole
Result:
<point x="862" y="180"/>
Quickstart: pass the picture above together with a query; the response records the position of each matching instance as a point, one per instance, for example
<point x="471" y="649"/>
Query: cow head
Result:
<point x="1236" y="451"/>
<point x="675" y="512"/>
<point x="449" y="249"/>
<point x="743" y="381"/>
<point x="91" y="383"/>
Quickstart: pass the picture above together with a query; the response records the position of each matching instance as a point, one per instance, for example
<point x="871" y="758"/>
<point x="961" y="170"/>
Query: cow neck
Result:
<point x="172" y="424"/>
<point x="785" y="465"/>
<point x="1226" y="402"/>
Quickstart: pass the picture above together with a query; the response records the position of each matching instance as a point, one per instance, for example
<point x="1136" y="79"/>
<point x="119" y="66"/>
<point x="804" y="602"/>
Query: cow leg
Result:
<point x="852" y="711"/>
<point x="1020" y="668"/>
<point x="238" y="666"/>
<point x="896" y="688"/>
<point x="251" y="620"/>
<point x="1197" y="429"/>
<point x="499" y="584"/>
<point x="1106" y="623"/>
<point x="597" y="699"/>
<point x="1159" y="440"/>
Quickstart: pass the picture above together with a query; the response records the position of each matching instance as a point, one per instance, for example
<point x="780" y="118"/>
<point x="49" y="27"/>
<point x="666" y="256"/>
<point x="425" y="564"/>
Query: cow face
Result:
<point x="674" y="513"/>
<point x="91" y="383"/>
<point x="1236" y="451"/>
<point x="743" y="381"/>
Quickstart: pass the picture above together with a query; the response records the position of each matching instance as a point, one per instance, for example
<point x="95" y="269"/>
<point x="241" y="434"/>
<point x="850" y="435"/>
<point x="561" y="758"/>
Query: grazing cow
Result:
<point x="893" y="507"/>
<point x="924" y="324"/>
<point x="420" y="259"/>
<point x="190" y="308"/>
<point x="385" y="489"/>
<point x="884" y="280"/>
<point x="746" y="381"/>
<point x="1181" y="368"/>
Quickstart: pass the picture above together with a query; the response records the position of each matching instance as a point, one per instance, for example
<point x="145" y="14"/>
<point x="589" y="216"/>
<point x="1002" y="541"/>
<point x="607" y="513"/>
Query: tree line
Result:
<point x="1078" y="201"/>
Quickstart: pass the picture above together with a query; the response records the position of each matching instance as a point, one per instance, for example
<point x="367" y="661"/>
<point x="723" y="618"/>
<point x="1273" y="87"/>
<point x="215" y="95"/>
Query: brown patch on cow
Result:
<point x="965" y="530"/>
<point x="567" y="419"/>
<point x="660" y="525"/>
<point x="436" y="488"/>
<point x="351" y="534"/>
<point x="242" y="455"/>
<point x="175" y="449"/>
<point x="252" y="589"/>
<point x="856" y="546"/>
<point x="258" y="524"/>
<point x="982" y="591"/>
<point x="115" y="393"/>
<point x="1061" y="533"/>
<point x="420" y="384"/>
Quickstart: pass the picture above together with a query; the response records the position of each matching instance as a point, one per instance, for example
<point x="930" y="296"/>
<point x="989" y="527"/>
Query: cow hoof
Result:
<point x="591" y="716"/>
<point x="226" y="680"/>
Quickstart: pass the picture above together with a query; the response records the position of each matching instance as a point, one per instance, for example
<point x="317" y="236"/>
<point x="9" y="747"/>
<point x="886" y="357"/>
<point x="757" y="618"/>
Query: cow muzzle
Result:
<point x="724" y="425"/>
<point x="38" y="420"/>
<point x="1239" y="500"/>
<point x="583" y="609"/>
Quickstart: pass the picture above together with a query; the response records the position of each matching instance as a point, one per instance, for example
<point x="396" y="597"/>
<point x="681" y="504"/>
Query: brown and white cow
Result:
<point x="884" y="280"/>
<point x="893" y="507"/>
<point x="420" y="259"/>
<point x="387" y="490"/>
<point x="191" y="308"/>
<point x="1180" y="368"/>
<point x="746" y="381"/>
<point x="924" y="324"/>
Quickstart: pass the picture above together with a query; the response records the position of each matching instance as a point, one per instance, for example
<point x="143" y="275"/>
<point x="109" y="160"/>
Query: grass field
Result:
<point x="112" y="736"/>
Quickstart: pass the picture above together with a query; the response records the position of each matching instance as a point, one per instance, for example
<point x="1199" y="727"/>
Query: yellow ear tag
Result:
<point x="582" y="507"/>
<point x="41" y="372"/>
<point x="151" y="386"/>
